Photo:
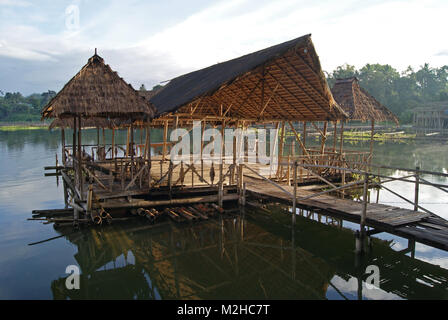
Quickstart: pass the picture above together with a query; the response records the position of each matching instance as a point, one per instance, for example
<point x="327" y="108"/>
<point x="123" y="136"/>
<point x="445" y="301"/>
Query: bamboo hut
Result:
<point x="96" y="96"/>
<point x="360" y="105"/>
<point x="279" y="85"/>
<point x="282" y="84"/>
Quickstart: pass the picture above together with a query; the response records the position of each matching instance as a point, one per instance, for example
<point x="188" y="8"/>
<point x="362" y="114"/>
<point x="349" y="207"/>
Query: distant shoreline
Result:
<point x="21" y="125"/>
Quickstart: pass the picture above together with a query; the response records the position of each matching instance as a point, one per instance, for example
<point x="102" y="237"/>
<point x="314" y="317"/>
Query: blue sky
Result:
<point x="42" y="46"/>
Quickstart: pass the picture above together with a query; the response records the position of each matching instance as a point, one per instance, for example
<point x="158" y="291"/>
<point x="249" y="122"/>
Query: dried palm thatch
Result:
<point x="282" y="82"/>
<point x="93" y="122"/>
<point x="358" y="103"/>
<point x="97" y="91"/>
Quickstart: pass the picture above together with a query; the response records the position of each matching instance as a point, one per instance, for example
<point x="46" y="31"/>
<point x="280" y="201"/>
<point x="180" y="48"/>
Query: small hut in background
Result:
<point x="97" y="97"/>
<point x="360" y="106"/>
<point x="431" y="117"/>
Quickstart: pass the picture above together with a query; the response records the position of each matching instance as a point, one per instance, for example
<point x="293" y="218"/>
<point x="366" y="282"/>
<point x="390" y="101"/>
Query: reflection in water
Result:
<point x="257" y="256"/>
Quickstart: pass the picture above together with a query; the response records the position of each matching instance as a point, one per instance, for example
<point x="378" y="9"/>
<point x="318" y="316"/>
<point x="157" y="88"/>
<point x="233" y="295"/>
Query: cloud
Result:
<point x="15" y="3"/>
<point x="442" y="53"/>
<point x="148" y="43"/>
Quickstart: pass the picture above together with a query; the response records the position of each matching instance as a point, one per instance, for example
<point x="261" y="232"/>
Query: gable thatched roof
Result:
<point x="97" y="91"/>
<point x="432" y="106"/>
<point x="282" y="82"/>
<point x="358" y="103"/>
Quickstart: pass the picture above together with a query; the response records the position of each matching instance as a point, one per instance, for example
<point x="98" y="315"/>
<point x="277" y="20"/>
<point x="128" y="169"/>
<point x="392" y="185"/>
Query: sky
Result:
<point x="43" y="44"/>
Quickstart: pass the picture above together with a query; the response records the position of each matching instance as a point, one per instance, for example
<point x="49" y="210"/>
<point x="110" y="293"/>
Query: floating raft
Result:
<point x="420" y="226"/>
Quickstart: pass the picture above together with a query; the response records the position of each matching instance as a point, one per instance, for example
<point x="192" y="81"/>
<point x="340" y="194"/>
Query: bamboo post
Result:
<point x="127" y="141"/>
<point x="280" y="151"/>
<point x="341" y="137"/>
<point x="57" y="164"/>
<point x="65" y="193"/>
<point x="170" y="177"/>
<point x="372" y="133"/>
<point x="295" y="192"/>
<point x="202" y="147"/>
<point x="148" y="151"/>
<point x="324" y="138"/>
<point x="74" y="138"/>
<point x="364" y="213"/>
<point x="240" y="183"/>
<point x="335" y="124"/>
<point x="97" y="138"/>
<point x="104" y="138"/>
<point x="113" y="143"/>
<point x="81" y="187"/>
<point x="165" y="136"/>
<point x="244" y="194"/>
<point x="132" y="150"/>
<point x="63" y="146"/>
<point x="417" y="182"/>
<point x="220" y="186"/>
<point x="304" y="136"/>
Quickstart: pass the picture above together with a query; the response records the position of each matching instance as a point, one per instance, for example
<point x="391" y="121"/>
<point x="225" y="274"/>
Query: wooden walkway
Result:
<point x="415" y="225"/>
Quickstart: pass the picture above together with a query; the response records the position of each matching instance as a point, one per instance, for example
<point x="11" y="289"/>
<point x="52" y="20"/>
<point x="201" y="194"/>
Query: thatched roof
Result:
<point x="93" y="122"/>
<point x="358" y="103"/>
<point x="98" y="122"/>
<point x="282" y="82"/>
<point x="432" y="106"/>
<point x="97" y="91"/>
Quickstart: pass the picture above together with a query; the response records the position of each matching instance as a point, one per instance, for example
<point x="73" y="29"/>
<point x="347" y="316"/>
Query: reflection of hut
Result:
<point x="360" y="105"/>
<point x="234" y="258"/>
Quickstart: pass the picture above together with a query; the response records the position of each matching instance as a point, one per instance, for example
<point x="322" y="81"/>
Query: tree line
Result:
<point x="401" y="92"/>
<point x="14" y="107"/>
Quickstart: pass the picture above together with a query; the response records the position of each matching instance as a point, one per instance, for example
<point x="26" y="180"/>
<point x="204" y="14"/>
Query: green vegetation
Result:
<point x="400" y="92"/>
<point x="365" y="135"/>
<point x="21" y="127"/>
<point x="14" y="107"/>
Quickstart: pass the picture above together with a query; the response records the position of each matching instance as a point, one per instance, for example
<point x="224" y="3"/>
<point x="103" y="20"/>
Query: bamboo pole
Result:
<point x="294" y="204"/>
<point x="113" y="143"/>
<point x="165" y="136"/>
<point x="280" y="151"/>
<point x="304" y="136"/>
<point x="341" y="137"/>
<point x="417" y="181"/>
<point x="132" y="151"/>
<point x="81" y="187"/>
<point x="335" y="138"/>
<point x="63" y="146"/>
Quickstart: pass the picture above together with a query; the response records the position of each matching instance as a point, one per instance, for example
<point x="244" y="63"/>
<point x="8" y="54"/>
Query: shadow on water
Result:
<point x="255" y="255"/>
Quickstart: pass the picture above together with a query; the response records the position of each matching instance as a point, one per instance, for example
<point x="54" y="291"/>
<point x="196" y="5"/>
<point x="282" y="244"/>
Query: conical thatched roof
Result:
<point x="97" y="91"/>
<point x="358" y="103"/>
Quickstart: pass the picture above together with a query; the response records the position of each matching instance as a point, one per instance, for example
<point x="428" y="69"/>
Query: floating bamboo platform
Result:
<point x="422" y="227"/>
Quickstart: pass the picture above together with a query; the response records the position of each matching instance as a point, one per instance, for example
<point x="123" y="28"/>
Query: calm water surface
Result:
<point x="253" y="255"/>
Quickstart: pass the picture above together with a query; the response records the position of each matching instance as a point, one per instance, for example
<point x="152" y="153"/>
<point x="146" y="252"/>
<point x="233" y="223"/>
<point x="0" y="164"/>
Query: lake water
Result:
<point x="254" y="255"/>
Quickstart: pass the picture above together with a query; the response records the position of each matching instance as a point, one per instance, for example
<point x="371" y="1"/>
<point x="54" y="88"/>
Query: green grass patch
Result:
<point x="21" y="127"/>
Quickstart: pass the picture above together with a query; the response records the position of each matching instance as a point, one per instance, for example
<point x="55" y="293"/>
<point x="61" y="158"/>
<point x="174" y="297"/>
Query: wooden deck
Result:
<point x="419" y="226"/>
